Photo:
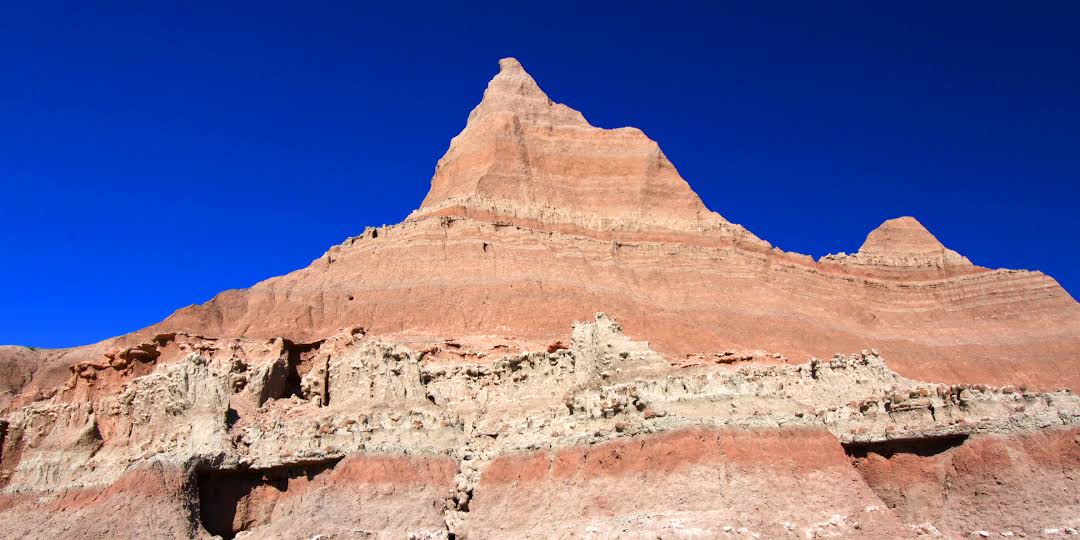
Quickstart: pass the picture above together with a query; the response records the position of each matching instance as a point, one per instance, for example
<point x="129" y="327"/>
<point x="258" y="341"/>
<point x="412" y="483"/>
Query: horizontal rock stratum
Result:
<point x="564" y="341"/>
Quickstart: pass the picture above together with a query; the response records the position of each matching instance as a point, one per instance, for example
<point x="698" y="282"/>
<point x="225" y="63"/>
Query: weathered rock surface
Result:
<point x="981" y="482"/>
<point x="418" y="381"/>
<point x="603" y="436"/>
<point x="693" y="483"/>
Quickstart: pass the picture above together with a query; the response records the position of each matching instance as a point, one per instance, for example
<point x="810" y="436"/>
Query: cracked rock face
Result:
<point x="450" y="377"/>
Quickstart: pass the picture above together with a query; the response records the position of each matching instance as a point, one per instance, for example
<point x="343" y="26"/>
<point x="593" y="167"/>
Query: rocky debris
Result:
<point x="731" y="357"/>
<point x="926" y="530"/>
<point x="120" y="360"/>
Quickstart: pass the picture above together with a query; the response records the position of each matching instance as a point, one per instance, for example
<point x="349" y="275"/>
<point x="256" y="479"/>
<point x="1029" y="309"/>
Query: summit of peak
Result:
<point x="513" y="77"/>
<point x="510" y="64"/>
<point x="512" y="90"/>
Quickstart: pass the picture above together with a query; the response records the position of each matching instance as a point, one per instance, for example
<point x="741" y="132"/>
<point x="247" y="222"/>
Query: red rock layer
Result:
<point x="149" y="501"/>
<point x="17" y="367"/>
<point x="366" y="495"/>
<point x="695" y="483"/>
<point x="1021" y="483"/>
<point x="363" y="496"/>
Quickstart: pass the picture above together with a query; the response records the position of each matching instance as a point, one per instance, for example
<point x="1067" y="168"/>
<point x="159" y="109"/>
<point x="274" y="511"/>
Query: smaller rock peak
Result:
<point x="902" y="235"/>
<point x="900" y="246"/>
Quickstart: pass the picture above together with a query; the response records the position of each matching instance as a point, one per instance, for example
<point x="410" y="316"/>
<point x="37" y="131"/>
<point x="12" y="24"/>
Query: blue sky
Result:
<point x="153" y="154"/>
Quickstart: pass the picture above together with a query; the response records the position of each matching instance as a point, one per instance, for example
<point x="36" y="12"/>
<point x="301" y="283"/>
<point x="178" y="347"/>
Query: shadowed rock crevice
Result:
<point x="9" y="452"/>
<point x="923" y="447"/>
<point x="231" y="501"/>
<point x="300" y="360"/>
<point x="301" y="372"/>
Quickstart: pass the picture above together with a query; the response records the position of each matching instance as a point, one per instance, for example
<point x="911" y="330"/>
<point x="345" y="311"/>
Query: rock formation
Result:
<point x="434" y="379"/>
<point x="902" y="248"/>
<point x="522" y="154"/>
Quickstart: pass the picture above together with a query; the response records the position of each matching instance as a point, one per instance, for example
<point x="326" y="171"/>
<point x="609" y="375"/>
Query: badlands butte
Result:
<point x="564" y="342"/>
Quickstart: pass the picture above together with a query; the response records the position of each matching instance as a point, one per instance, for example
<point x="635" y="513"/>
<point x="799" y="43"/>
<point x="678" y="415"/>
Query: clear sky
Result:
<point x="153" y="154"/>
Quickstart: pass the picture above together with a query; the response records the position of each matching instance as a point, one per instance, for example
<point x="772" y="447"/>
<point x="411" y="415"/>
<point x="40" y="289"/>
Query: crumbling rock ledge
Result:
<point x="245" y="436"/>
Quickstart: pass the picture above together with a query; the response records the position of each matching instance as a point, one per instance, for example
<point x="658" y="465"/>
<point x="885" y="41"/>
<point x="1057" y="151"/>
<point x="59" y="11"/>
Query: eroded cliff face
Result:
<point x="419" y="380"/>
<point x="536" y="219"/>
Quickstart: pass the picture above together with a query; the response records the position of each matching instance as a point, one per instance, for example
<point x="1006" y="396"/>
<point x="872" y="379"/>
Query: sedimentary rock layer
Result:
<point x="694" y="483"/>
<point x="270" y="437"/>
<point x="996" y="481"/>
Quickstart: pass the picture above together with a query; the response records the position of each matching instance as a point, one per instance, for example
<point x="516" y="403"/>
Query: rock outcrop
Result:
<point x="428" y="379"/>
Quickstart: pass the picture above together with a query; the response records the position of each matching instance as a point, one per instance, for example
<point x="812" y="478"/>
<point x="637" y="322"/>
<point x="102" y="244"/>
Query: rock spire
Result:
<point x="523" y="155"/>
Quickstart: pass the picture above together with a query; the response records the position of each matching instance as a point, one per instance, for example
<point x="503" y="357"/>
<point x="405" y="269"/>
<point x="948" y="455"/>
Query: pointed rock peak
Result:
<point x="511" y="65"/>
<point x="514" y="80"/>
<point x="901" y="235"/>
<point x="524" y="158"/>
<point x="514" y="91"/>
<point x="901" y="246"/>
